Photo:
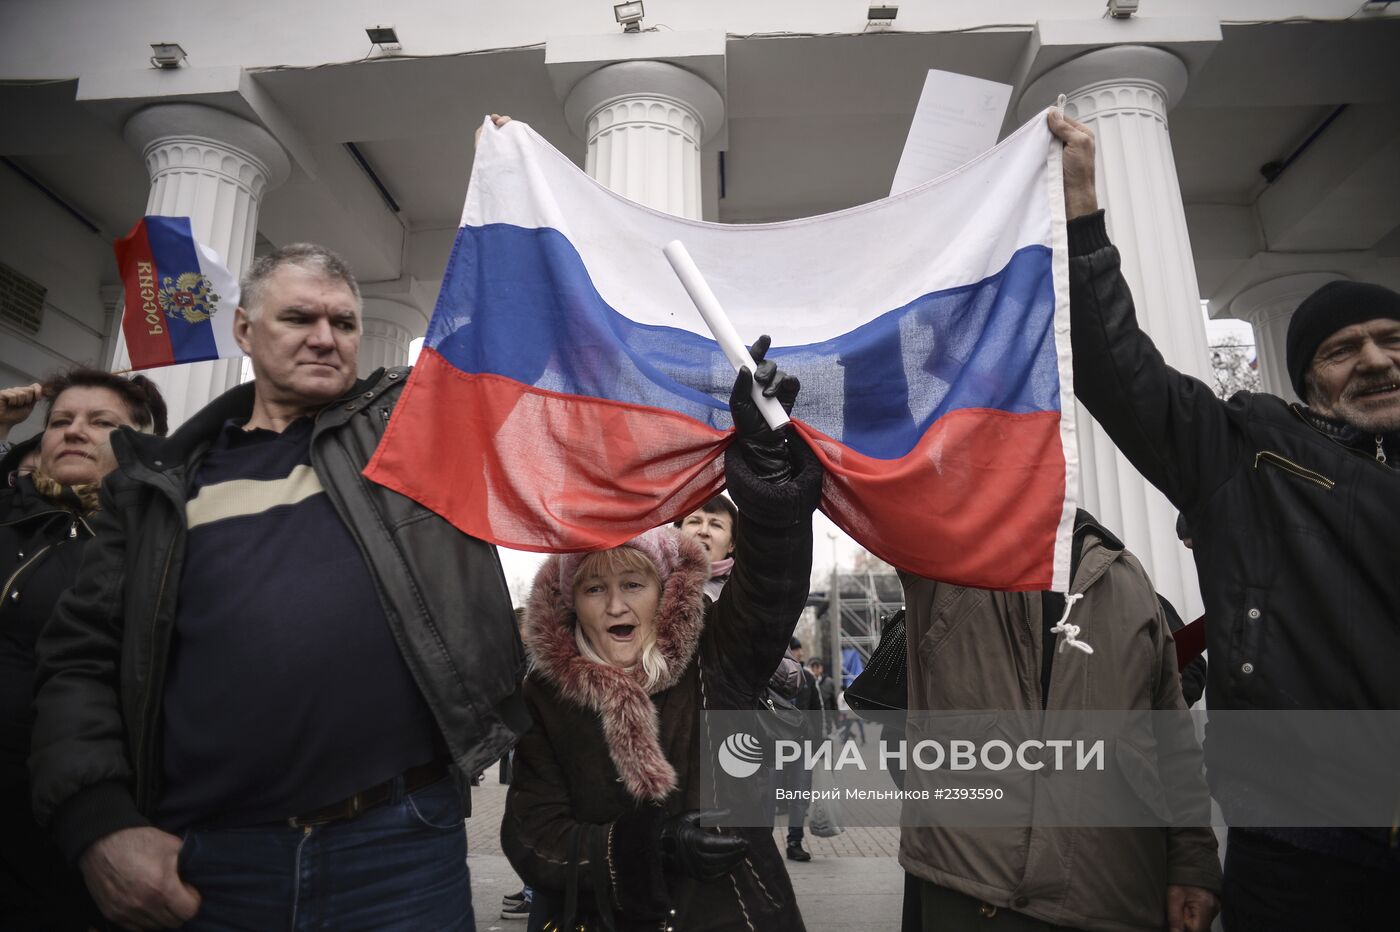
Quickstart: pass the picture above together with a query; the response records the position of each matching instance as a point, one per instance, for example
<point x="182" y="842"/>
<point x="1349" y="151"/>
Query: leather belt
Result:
<point x="414" y="778"/>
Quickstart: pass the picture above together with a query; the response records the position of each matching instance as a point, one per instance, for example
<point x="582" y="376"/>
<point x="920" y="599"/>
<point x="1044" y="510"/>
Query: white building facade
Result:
<point x="1248" y="149"/>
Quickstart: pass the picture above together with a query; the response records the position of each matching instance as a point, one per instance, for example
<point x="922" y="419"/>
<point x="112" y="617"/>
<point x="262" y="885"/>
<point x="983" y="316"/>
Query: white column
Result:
<point x="389" y="326"/>
<point x="214" y="168"/>
<point x="112" y="298"/>
<point x="1269" y="306"/>
<point x="644" y="122"/>
<point x="1123" y="93"/>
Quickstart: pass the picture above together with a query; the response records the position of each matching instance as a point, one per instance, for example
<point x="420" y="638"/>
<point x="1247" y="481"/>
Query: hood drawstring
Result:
<point x="1070" y="632"/>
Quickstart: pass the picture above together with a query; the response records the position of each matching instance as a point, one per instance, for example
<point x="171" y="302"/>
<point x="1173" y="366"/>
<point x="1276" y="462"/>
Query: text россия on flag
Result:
<point x="569" y="396"/>
<point x="179" y="296"/>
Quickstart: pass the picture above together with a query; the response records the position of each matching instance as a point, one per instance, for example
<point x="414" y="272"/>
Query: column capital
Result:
<point x="1268" y="305"/>
<point x="617" y="82"/>
<point x="401" y="312"/>
<point x="197" y="136"/>
<point x="389" y="325"/>
<point x="1279" y="297"/>
<point x="1113" y="68"/>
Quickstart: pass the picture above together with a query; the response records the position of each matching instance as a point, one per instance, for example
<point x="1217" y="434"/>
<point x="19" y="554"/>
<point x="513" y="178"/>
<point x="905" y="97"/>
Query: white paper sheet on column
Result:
<point x="957" y="119"/>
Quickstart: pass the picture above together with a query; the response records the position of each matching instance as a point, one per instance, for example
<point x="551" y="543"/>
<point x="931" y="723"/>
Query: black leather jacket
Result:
<point x="96" y="760"/>
<point x="1295" y="519"/>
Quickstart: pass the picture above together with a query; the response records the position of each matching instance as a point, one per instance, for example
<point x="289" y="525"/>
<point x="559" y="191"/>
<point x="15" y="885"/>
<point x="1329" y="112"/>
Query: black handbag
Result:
<point x="779" y="718"/>
<point x="883" y="686"/>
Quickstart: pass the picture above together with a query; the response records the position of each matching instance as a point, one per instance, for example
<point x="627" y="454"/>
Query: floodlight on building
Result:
<point x="629" y="15"/>
<point x="167" y="55"/>
<point x="882" y="14"/>
<point x="1122" y="9"/>
<point x="382" y="36"/>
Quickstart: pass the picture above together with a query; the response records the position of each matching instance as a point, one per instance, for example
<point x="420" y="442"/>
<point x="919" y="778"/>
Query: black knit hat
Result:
<point x="1328" y="309"/>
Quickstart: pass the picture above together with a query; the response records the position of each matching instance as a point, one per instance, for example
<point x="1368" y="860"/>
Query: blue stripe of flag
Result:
<point x="519" y="303"/>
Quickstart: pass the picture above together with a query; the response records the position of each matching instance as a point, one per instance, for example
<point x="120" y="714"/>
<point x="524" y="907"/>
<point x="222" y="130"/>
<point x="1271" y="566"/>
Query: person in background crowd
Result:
<point x="16" y="470"/>
<point x="1193" y="678"/>
<point x="273" y="675"/>
<point x="1036" y="877"/>
<point x="1294" y="517"/>
<point x="713" y="526"/>
<point x="799" y="779"/>
<point x="846" y="720"/>
<point x="826" y="692"/>
<point x="627" y="653"/>
<point x="44" y="527"/>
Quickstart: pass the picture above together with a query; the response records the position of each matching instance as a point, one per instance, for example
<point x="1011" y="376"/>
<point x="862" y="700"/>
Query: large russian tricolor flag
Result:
<point x="569" y="396"/>
<point x="180" y="297"/>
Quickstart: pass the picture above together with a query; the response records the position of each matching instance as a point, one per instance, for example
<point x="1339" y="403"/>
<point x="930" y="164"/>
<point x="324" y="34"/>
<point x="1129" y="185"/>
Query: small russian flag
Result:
<point x="180" y="297"/>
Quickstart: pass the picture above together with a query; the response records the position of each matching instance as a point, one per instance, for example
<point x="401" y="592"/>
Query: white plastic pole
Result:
<point x="718" y="322"/>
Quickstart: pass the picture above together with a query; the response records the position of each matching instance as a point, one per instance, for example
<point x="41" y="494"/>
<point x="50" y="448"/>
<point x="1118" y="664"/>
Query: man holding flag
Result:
<point x="1294" y="512"/>
<point x="272" y="676"/>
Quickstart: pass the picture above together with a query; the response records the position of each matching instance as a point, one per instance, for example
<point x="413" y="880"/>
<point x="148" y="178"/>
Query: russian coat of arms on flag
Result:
<point x="569" y="395"/>
<point x="180" y="297"/>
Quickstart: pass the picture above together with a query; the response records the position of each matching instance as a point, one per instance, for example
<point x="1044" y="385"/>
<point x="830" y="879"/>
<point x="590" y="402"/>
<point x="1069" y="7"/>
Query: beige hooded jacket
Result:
<point x="976" y="649"/>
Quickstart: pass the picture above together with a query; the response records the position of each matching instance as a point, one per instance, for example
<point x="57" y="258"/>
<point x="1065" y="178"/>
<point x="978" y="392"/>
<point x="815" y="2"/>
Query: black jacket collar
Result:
<point x="1348" y="436"/>
<point x="203" y="428"/>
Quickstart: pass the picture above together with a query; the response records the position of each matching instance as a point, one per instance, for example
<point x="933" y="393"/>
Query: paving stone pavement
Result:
<point x="852" y="881"/>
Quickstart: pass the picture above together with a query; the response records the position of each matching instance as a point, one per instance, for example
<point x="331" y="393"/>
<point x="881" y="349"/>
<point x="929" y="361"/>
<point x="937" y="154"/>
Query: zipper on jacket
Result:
<point x="5" y="593"/>
<point x="142" y="753"/>
<point x="1380" y="450"/>
<point x="35" y="517"/>
<point x="72" y="534"/>
<point x="1288" y="466"/>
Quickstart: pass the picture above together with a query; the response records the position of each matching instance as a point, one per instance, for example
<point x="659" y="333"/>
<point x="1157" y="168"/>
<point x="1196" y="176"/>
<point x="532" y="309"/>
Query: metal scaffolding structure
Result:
<point x="862" y="602"/>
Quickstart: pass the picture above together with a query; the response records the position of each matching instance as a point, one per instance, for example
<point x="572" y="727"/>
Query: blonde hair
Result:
<point x="623" y="560"/>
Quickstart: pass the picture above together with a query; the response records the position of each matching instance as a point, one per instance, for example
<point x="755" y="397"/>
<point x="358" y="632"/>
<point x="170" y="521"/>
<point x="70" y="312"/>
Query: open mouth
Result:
<point x="78" y="453"/>
<point x="622" y="632"/>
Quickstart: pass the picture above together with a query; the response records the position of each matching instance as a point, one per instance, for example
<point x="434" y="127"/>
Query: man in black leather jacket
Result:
<point x="1295" y="519"/>
<point x="270" y="661"/>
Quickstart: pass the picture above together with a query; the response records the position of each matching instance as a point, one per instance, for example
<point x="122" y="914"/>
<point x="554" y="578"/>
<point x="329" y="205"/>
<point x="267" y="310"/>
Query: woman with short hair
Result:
<point x="43" y="529"/>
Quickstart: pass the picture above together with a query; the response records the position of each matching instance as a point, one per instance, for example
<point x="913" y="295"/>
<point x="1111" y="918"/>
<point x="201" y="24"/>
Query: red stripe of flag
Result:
<point x="538" y="470"/>
<point x="143" y="323"/>
<point x="981" y="476"/>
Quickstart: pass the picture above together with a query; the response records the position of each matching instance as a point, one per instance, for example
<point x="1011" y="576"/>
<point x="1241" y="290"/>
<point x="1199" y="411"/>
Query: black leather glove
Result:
<point x="765" y="450"/>
<point x="699" y="852"/>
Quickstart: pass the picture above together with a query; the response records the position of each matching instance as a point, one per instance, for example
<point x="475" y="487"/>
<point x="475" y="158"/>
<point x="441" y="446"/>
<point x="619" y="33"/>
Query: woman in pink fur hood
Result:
<point x="603" y="817"/>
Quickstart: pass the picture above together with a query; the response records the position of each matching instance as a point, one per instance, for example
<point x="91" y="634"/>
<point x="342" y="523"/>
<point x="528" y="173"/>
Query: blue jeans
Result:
<point x="401" y="865"/>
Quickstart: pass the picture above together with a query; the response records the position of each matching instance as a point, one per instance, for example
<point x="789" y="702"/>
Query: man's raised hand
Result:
<point x="1078" y="164"/>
